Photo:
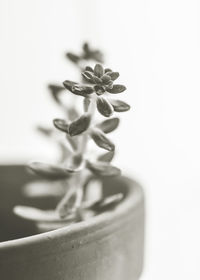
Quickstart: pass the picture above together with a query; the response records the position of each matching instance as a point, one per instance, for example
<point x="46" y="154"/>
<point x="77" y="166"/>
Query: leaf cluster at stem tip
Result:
<point x="97" y="89"/>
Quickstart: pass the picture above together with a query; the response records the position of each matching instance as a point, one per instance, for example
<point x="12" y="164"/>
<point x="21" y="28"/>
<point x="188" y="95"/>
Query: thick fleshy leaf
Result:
<point x="116" y="89"/>
<point x="109" y="125"/>
<point x="86" y="103"/>
<point x="107" y="70"/>
<point x="80" y="125"/>
<point x="104" y="107"/>
<point x="82" y="90"/>
<point x="107" y="157"/>
<point x="55" y="91"/>
<point x="97" y="56"/>
<point x="50" y="171"/>
<point x="38" y="215"/>
<point x="97" y="80"/>
<point x="106" y="203"/>
<point x="113" y="75"/>
<point x="98" y="70"/>
<point x="78" y="89"/>
<point x="86" y="47"/>
<point x="69" y="84"/>
<point x="101" y="140"/>
<point x="92" y="54"/>
<point x="88" y="68"/>
<point x="109" y="85"/>
<point x="45" y="131"/>
<point x="119" y="106"/>
<point x="103" y="169"/>
<point x="87" y="75"/>
<point x="61" y="125"/>
<point x="99" y="89"/>
<point x="105" y="78"/>
<point x="74" y="58"/>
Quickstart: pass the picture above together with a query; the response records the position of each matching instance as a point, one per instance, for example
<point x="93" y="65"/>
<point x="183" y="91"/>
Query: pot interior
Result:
<point x="12" y="180"/>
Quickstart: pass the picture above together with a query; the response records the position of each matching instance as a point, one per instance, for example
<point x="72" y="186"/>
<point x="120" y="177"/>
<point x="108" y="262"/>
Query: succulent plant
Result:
<point x="78" y="166"/>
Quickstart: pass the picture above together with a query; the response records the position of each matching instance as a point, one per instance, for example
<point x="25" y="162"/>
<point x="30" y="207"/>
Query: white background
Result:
<point x="155" y="45"/>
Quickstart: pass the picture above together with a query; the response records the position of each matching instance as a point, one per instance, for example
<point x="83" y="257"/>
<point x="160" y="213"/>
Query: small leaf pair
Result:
<point x="74" y="128"/>
<point x="98" y="133"/>
<point x="88" y="54"/>
<point x="107" y="107"/>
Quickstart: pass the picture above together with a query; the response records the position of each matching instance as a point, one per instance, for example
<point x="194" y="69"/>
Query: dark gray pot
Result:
<point x="108" y="246"/>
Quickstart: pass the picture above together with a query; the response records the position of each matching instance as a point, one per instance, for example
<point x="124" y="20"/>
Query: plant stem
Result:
<point x="81" y="176"/>
<point x="78" y="180"/>
<point x="91" y="112"/>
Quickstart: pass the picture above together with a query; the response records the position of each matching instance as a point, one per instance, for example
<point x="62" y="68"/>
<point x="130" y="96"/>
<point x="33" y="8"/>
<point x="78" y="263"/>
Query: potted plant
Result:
<point x="83" y="219"/>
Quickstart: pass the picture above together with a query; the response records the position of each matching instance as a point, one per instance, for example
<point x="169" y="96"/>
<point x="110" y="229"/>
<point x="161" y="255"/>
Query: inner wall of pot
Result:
<point x="12" y="180"/>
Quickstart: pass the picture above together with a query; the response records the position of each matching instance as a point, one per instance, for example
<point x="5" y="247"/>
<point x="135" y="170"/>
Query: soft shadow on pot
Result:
<point x="108" y="246"/>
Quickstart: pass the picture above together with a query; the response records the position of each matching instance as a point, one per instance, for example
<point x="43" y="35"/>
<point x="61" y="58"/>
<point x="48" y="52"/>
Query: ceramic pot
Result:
<point x="108" y="246"/>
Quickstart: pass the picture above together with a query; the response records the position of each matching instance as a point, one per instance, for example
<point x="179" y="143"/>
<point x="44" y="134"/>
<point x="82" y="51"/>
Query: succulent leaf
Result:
<point x="88" y="68"/>
<point x="119" y="106"/>
<point x="106" y="157"/>
<point x="109" y="125"/>
<point x="105" y="78"/>
<point x="113" y="75"/>
<point x="103" y="169"/>
<point x="55" y="92"/>
<point x="78" y="89"/>
<point x="108" y="70"/>
<point x="74" y="58"/>
<point x="116" y="89"/>
<point x="98" y="70"/>
<point x="88" y="76"/>
<point x="101" y="140"/>
<point x="104" y="107"/>
<point x="106" y="203"/>
<point x="45" y="131"/>
<point x="80" y="125"/>
<point x="99" y="89"/>
<point x="50" y="171"/>
<point x="37" y="215"/>
<point x="97" y="80"/>
<point x="61" y="125"/>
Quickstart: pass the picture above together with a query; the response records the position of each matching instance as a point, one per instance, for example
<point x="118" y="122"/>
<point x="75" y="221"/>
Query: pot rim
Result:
<point x="93" y="225"/>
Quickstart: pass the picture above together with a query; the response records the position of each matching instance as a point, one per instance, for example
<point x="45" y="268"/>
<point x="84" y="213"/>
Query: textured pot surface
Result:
<point x="108" y="246"/>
